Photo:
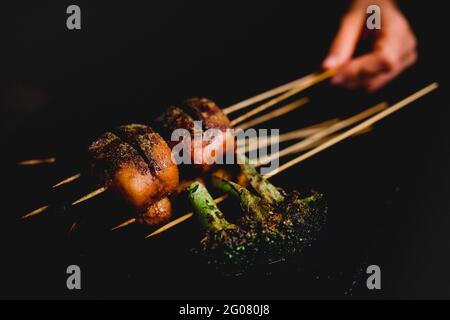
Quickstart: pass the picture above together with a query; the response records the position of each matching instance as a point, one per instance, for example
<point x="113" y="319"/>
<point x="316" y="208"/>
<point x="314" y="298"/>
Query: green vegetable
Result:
<point x="302" y="219"/>
<point x="262" y="186"/>
<point x="230" y="248"/>
<point x="261" y="217"/>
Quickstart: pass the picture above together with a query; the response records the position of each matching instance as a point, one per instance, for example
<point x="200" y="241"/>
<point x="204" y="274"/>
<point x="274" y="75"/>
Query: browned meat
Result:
<point x="158" y="213"/>
<point x="199" y="109"/>
<point x="208" y="112"/>
<point x="137" y="163"/>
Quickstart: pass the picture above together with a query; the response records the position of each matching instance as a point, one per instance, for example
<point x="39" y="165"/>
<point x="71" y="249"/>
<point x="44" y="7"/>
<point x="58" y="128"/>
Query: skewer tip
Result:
<point x="170" y="225"/>
<point x="124" y="224"/>
<point x="180" y="220"/>
<point x="72" y="228"/>
<point x="89" y="196"/>
<point x="67" y="181"/>
<point x="34" y="162"/>
<point x="34" y="212"/>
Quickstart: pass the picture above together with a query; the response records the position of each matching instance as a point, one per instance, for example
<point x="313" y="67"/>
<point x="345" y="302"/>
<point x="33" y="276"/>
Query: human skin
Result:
<point x="394" y="47"/>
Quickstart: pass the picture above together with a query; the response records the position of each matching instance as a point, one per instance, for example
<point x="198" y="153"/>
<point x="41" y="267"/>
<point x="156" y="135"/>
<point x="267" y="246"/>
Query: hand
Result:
<point x="394" y="48"/>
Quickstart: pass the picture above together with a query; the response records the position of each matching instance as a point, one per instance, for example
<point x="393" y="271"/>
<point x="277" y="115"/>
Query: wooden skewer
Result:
<point x="133" y="220"/>
<point x="82" y="199"/>
<point x="97" y="192"/>
<point x="358" y="128"/>
<point x="310" y="82"/>
<point x="124" y="224"/>
<point x="187" y="216"/>
<point x="275" y="114"/>
<point x="35" y="212"/>
<point x="369" y="122"/>
<point x="181" y="219"/>
<point x="306" y="132"/>
<point x="34" y="162"/>
<point x="318" y="136"/>
<point x="326" y="132"/>
<point x="72" y="228"/>
<point x="281" y="111"/>
<point x="313" y="144"/>
<point x="288" y="136"/>
<point x="67" y="181"/>
<point x="298" y="86"/>
<point x="268" y="94"/>
<point x="293" y="135"/>
<point x="221" y="199"/>
<point x="366" y="125"/>
<point x="170" y="224"/>
<point x="90" y="196"/>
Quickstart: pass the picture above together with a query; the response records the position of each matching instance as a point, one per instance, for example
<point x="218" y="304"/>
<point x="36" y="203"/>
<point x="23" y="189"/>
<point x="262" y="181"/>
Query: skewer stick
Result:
<point x="268" y="94"/>
<point x="82" y="199"/>
<point x="366" y="125"/>
<point x="67" y="181"/>
<point x="293" y="135"/>
<point x="73" y="227"/>
<point x="171" y="224"/>
<point x="275" y="114"/>
<point x="180" y="220"/>
<point x="190" y="215"/>
<point x="299" y="85"/>
<point x="325" y="132"/>
<point x="219" y="200"/>
<point x="35" y="212"/>
<point x="369" y="122"/>
<point x="124" y="224"/>
<point x="34" y="162"/>
<point x="310" y="82"/>
<point x="183" y="218"/>
<point x="301" y="133"/>
<point x="306" y="132"/>
<point x="74" y="177"/>
<point x="90" y="195"/>
<point x="313" y="144"/>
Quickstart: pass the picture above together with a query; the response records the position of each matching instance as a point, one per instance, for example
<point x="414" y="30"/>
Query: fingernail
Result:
<point x="330" y="62"/>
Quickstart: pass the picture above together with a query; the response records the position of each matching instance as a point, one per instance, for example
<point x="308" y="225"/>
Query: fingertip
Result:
<point x="329" y="63"/>
<point x="332" y="62"/>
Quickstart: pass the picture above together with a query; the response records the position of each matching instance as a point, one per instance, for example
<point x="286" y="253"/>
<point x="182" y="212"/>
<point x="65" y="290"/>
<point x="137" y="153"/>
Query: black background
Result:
<point x="387" y="190"/>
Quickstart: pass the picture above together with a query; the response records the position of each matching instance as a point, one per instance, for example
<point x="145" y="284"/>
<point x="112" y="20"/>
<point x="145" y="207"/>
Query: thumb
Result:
<point x="345" y="42"/>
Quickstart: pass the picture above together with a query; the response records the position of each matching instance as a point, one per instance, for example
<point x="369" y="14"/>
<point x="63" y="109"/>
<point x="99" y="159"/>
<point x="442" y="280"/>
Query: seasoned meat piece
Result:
<point x="217" y="140"/>
<point x="136" y="162"/>
<point x="158" y="213"/>
<point x="208" y="112"/>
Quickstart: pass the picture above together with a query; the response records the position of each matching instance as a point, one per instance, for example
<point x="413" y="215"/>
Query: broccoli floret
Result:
<point x="262" y="186"/>
<point x="225" y="245"/>
<point x="308" y="215"/>
<point x="263" y="218"/>
<point x="305" y="217"/>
